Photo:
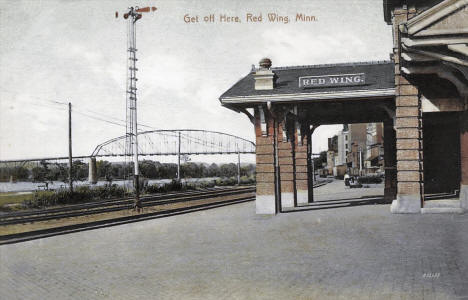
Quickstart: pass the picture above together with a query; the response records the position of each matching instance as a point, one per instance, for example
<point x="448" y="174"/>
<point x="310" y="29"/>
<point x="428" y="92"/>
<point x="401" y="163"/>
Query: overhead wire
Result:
<point x="99" y="117"/>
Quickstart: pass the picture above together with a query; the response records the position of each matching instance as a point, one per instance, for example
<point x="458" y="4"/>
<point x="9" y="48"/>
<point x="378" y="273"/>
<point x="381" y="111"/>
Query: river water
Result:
<point x="33" y="186"/>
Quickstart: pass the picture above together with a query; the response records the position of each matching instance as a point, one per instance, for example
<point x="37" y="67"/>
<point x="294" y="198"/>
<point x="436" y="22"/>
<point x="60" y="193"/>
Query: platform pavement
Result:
<point x="361" y="252"/>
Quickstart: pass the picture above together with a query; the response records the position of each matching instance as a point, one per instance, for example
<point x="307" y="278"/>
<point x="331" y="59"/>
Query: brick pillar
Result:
<point x="310" y="161"/>
<point x="265" y="201"/>
<point x="409" y="149"/>
<point x="408" y="125"/>
<point x="302" y="186"/>
<point x="286" y="164"/>
<point x="464" y="159"/>
<point x="390" y="162"/>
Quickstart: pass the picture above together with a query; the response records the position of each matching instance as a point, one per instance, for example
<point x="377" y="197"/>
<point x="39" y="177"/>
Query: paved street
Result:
<point x="337" y="190"/>
<point x="360" y="252"/>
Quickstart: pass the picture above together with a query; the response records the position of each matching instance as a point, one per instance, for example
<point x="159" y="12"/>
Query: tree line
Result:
<point x="46" y="171"/>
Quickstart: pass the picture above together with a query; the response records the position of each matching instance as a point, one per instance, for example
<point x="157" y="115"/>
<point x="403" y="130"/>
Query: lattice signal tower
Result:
<point x="131" y="141"/>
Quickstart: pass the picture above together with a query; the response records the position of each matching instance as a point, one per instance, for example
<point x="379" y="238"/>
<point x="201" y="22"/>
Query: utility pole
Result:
<point x="178" y="160"/>
<point x="360" y="161"/>
<point x="238" y="167"/>
<point x="70" y="162"/>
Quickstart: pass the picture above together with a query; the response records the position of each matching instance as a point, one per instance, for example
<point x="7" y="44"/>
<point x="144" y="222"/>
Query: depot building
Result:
<point x="420" y="95"/>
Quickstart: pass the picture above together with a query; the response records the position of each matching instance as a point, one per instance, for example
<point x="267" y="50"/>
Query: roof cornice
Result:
<point x="348" y="64"/>
<point x="432" y="15"/>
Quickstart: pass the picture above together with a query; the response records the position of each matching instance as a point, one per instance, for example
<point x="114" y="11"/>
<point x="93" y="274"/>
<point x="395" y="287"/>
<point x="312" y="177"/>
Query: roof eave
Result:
<point x="377" y="93"/>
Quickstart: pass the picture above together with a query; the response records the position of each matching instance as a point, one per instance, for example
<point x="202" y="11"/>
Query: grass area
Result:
<point x="14" y="197"/>
<point x="13" y="200"/>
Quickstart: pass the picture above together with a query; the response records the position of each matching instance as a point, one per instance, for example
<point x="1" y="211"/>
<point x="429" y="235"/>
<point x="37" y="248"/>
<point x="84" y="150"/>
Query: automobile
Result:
<point x="346" y="178"/>
<point x="354" y="183"/>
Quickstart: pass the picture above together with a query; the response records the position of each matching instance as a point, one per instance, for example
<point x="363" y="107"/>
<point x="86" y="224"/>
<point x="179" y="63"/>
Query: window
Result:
<point x="285" y="132"/>
<point x="263" y="124"/>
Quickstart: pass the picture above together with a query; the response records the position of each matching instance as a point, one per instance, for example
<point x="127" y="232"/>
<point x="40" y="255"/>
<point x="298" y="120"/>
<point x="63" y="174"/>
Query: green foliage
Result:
<point x="172" y="186"/>
<point x="79" y="170"/>
<point x="104" y="169"/>
<point x="80" y="195"/>
<point x="213" y="170"/>
<point x="228" y="170"/>
<point x="229" y="181"/>
<point x="150" y="169"/>
<point x="19" y="173"/>
<point x="318" y="161"/>
<point x="48" y="171"/>
<point x="247" y="179"/>
<point x="83" y="194"/>
<point x="200" y="185"/>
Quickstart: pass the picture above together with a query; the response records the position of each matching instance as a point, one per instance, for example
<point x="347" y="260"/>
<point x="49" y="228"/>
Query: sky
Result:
<point x="55" y="52"/>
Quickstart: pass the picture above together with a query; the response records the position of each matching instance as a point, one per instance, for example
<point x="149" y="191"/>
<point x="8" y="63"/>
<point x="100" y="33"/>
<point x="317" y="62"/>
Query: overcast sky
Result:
<point x="76" y="51"/>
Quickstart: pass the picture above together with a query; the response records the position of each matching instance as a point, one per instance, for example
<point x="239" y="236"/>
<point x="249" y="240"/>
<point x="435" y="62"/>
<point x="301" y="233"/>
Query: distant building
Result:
<point x="332" y="154"/>
<point x="357" y="149"/>
<point x="330" y="161"/>
<point x="343" y="146"/>
<point x="374" y="160"/>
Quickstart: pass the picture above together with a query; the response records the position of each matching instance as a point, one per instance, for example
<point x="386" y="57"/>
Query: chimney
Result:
<point x="264" y="77"/>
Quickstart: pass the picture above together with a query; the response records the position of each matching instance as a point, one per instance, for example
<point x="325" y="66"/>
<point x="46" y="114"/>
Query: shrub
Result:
<point x="247" y="179"/>
<point x="80" y="194"/>
<point x="172" y="186"/>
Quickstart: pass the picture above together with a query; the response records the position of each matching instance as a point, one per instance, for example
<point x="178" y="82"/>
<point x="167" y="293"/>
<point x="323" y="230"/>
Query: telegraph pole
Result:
<point x="238" y="167"/>
<point x="178" y="160"/>
<point x="360" y="161"/>
<point x="70" y="157"/>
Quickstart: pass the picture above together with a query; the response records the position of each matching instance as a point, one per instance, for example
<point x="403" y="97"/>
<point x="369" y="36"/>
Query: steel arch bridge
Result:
<point x="178" y="142"/>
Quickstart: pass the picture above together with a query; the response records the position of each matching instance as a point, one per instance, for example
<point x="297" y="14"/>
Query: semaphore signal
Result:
<point x="131" y="142"/>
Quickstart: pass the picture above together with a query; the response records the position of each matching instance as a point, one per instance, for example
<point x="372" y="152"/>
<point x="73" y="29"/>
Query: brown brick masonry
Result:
<point x="265" y="156"/>
<point x="407" y="122"/>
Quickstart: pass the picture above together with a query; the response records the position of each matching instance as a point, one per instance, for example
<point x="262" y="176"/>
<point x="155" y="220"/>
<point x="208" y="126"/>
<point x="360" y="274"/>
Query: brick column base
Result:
<point x="406" y="204"/>
<point x="464" y="160"/>
<point x="464" y="196"/>
<point x="302" y="197"/>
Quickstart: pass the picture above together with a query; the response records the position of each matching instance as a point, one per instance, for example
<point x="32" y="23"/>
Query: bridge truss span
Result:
<point x="178" y="142"/>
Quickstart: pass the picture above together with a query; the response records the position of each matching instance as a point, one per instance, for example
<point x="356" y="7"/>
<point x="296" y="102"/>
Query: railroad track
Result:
<point x="235" y="196"/>
<point x="43" y="233"/>
<point x="116" y="205"/>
